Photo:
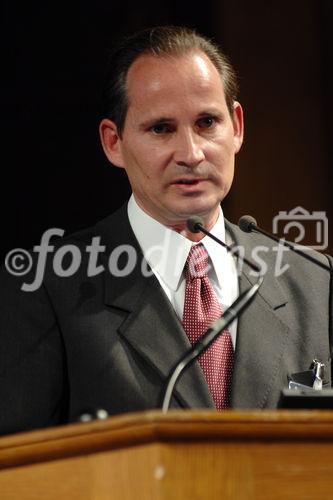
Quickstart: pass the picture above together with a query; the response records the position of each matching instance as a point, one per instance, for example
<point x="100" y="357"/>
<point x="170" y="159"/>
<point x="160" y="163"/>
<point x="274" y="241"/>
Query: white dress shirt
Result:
<point x="166" y="252"/>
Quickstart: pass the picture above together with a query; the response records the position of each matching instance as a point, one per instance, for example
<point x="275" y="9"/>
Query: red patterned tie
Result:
<point x="201" y="308"/>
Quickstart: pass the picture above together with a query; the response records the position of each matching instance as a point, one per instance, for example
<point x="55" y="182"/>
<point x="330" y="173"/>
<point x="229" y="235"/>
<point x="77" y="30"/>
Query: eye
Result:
<point x="160" y="128"/>
<point x="206" y="122"/>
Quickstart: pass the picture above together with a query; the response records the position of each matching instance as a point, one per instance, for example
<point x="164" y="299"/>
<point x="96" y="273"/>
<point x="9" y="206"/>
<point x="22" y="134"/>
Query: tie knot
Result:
<point x="197" y="262"/>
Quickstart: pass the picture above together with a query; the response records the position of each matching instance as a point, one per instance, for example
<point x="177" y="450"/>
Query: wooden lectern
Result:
<point x="181" y="455"/>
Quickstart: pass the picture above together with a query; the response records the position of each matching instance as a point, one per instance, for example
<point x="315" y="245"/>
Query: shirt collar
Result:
<point x="166" y="250"/>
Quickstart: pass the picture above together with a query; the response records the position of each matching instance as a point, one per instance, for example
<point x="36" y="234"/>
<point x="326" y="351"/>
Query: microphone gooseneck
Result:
<point x="216" y="329"/>
<point x="195" y="225"/>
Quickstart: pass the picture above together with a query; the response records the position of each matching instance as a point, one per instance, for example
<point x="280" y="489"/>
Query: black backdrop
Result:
<point x="53" y="170"/>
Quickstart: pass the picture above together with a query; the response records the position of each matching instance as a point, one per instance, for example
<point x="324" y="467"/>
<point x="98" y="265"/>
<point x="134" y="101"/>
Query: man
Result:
<point x="108" y="334"/>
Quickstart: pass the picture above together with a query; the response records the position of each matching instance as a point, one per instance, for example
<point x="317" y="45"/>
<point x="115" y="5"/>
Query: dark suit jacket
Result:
<point x="103" y="341"/>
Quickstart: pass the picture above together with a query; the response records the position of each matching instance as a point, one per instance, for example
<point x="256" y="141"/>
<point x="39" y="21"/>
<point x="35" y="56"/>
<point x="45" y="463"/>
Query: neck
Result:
<point x="181" y="225"/>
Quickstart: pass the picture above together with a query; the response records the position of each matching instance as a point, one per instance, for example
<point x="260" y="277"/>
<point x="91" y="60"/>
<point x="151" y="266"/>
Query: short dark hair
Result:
<point x="158" y="41"/>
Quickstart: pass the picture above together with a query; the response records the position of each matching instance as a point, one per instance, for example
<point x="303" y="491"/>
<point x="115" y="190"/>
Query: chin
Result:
<point x="203" y="209"/>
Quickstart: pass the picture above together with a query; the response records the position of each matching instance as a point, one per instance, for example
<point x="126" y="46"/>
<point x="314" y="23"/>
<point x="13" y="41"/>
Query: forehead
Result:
<point x="172" y="76"/>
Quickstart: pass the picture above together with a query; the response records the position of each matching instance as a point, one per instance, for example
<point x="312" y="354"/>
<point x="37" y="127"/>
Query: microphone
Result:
<point x="195" y="225"/>
<point x="247" y="223"/>
<point x="216" y="329"/>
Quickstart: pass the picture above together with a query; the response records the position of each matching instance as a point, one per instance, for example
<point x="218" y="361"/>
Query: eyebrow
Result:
<point x="152" y="121"/>
<point x="213" y="111"/>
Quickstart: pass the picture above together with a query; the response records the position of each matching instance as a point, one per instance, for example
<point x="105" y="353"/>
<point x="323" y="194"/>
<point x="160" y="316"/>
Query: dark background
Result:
<point x="53" y="170"/>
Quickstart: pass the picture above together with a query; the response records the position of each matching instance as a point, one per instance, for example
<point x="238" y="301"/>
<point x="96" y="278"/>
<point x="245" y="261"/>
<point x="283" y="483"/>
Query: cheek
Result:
<point x="221" y="149"/>
<point x="216" y="154"/>
<point x="158" y="155"/>
<point x="141" y="170"/>
<point x="148" y="156"/>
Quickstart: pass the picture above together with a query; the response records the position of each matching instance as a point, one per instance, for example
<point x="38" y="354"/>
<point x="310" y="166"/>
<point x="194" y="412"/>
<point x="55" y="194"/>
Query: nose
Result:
<point x="188" y="150"/>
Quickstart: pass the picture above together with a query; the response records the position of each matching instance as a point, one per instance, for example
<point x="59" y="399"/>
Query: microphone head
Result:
<point x="194" y="224"/>
<point x="247" y="223"/>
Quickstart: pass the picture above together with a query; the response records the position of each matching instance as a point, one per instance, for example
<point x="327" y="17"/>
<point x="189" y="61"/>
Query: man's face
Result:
<point x="179" y="140"/>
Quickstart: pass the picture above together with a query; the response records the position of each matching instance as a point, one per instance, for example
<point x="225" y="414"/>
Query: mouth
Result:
<point x="189" y="186"/>
<point x="188" y="182"/>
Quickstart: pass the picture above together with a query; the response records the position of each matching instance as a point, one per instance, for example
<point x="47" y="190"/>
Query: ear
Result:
<point x="111" y="142"/>
<point x="238" y="124"/>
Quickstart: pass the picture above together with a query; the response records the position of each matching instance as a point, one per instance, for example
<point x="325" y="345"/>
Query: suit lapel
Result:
<point x="154" y="331"/>
<point x="151" y="326"/>
<point x="261" y="335"/>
